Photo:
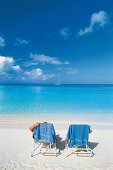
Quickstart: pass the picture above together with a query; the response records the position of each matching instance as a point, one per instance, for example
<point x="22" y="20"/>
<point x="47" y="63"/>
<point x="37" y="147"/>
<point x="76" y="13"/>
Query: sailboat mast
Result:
<point x="58" y="79"/>
<point x="58" y="82"/>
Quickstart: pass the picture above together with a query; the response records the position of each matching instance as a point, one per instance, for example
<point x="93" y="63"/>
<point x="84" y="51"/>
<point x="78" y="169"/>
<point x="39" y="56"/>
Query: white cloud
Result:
<point x="16" y="68"/>
<point x="8" y="64"/>
<point x="20" y="41"/>
<point x="98" y="19"/>
<point x="30" y="63"/>
<point x="2" y="42"/>
<point x="41" y="58"/>
<point x="37" y="74"/>
<point x="9" y="70"/>
<point x="65" y="32"/>
<point x="47" y="76"/>
<point x="5" y="62"/>
<point x="72" y="71"/>
<point x="59" y="68"/>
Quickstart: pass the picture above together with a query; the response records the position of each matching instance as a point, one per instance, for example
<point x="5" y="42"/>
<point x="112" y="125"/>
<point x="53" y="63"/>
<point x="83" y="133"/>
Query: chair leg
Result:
<point x="90" y="150"/>
<point x="49" y="147"/>
<point x="34" y="148"/>
<point x="55" y="149"/>
<point x="77" y="151"/>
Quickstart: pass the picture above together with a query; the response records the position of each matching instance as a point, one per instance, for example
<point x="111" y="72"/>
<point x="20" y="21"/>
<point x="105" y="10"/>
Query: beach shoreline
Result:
<point x="105" y="119"/>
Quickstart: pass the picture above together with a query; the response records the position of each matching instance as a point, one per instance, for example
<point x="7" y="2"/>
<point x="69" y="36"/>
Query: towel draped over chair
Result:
<point x="78" y="135"/>
<point x="45" y="132"/>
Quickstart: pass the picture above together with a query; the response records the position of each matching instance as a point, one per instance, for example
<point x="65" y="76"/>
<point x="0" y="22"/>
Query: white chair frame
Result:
<point x="80" y="150"/>
<point x="45" y="148"/>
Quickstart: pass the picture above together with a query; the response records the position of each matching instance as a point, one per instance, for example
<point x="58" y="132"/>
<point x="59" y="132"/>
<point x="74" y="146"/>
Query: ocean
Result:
<point x="51" y="99"/>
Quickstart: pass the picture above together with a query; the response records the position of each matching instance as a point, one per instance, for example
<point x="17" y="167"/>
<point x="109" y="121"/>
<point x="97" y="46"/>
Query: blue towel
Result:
<point x="78" y="135"/>
<point x="45" y="131"/>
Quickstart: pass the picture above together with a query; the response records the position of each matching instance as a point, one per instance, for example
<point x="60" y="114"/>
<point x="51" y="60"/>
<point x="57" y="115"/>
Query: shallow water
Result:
<point x="51" y="99"/>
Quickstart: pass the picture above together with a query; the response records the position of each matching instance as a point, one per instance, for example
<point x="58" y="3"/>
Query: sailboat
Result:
<point x="58" y="82"/>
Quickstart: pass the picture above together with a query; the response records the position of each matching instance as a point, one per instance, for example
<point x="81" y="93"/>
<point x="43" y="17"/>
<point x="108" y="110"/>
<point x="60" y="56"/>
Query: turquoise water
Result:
<point x="51" y="99"/>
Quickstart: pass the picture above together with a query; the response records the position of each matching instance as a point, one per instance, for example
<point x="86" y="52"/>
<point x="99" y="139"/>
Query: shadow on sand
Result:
<point x="60" y="143"/>
<point x="92" y="145"/>
<point x="61" y="146"/>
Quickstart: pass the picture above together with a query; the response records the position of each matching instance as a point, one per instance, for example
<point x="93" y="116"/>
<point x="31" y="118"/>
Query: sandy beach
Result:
<point x="16" y="144"/>
<point x="56" y="66"/>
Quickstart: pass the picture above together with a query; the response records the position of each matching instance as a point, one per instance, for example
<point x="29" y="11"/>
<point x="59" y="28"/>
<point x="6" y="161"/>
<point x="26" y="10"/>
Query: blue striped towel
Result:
<point x="45" y="131"/>
<point x="78" y="135"/>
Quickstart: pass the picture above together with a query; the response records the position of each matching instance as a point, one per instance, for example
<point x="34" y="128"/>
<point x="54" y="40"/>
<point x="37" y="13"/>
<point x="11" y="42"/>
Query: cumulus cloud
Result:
<point x="41" y="58"/>
<point x="65" y="33"/>
<point x="37" y="74"/>
<point x="99" y="19"/>
<point x="20" y="41"/>
<point x="2" y="42"/>
<point x="5" y="62"/>
<point x="10" y="71"/>
<point x="8" y="64"/>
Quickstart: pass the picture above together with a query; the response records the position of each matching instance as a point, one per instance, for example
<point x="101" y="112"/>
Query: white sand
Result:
<point x="16" y="144"/>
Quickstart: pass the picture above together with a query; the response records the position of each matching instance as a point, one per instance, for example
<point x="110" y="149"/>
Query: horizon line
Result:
<point x="55" y="84"/>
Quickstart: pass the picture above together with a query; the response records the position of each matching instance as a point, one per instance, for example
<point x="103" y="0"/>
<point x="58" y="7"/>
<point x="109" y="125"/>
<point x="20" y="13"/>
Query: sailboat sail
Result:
<point x="58" y="82"/>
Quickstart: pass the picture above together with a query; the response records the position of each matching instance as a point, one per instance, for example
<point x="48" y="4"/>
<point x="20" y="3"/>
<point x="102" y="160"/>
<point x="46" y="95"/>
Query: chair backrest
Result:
<point x="78" y="135"/>
<point x="45" y="131"/>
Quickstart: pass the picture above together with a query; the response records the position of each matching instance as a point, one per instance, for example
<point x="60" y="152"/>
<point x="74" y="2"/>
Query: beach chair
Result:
<point x="45" y="140"/>
<point x="77" y="139"/>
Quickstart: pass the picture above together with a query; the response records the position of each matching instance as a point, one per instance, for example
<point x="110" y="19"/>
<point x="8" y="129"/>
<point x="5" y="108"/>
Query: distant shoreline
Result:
<point x="101" y="119"/>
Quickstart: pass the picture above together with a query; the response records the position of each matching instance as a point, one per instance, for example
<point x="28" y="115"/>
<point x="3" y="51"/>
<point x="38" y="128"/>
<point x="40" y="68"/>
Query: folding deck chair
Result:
<point x="77" y="139"/>
<point x="44" y="138"/>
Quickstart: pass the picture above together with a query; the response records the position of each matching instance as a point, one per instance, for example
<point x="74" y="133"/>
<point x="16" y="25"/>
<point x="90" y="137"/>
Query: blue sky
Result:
<point x="43" y="38"/>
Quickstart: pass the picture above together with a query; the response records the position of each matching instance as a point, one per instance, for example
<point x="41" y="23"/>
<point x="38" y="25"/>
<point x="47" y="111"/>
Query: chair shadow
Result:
<point x="61" y="143"/>
<point x="92" y="145"/>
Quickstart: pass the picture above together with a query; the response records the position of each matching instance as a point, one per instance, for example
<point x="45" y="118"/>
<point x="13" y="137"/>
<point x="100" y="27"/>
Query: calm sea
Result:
<point x="51" y="99"/>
